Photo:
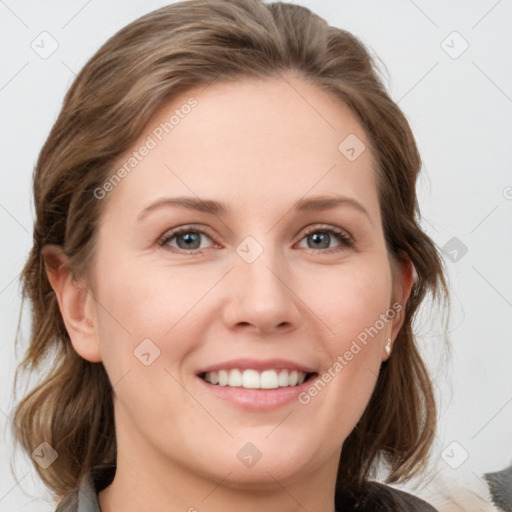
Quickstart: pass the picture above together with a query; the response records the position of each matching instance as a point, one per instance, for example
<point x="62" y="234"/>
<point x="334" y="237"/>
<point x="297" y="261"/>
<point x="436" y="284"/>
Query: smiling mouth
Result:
<point x="253" y="379"/>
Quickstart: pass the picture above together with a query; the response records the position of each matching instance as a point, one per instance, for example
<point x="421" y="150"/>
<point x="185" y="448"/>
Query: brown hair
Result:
<point x="129" y="78"/>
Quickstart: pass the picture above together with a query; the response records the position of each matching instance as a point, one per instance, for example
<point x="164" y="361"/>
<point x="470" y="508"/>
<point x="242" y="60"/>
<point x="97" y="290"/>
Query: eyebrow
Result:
<point x="317" y="203"/>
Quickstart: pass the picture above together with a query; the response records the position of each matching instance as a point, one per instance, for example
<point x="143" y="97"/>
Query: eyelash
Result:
<point x="345" y="240"/>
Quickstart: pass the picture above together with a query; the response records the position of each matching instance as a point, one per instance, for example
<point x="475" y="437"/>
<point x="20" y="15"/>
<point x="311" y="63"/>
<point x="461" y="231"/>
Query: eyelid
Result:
<point x="327" y="227"/>
<point x="347" y="240"/>
<point x="170" y="234"/>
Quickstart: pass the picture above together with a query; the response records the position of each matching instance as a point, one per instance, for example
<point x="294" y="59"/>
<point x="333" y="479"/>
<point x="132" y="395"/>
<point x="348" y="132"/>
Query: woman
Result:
<point x="227" y="261"/>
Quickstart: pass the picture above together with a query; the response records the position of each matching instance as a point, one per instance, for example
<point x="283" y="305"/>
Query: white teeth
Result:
<point x="283" y="378"/>
<point x="223" y="378"/>
<point x="235" y="378"/>
<point x="269" y="379"/>
<point x="252" y="379"/>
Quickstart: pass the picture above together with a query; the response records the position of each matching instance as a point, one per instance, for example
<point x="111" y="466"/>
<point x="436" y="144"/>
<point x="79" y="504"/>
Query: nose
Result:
<point x="261" y="297"/>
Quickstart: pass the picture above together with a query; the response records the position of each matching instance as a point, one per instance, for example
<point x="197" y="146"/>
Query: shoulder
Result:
<point x="378" y="497"/>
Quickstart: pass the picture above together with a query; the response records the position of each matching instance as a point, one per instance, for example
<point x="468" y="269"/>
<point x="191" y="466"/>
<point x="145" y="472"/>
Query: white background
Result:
<point x="460" y="110"/>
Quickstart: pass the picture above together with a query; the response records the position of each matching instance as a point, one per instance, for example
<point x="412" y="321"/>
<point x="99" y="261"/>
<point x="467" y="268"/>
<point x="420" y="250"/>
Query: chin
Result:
<point x="262" y="475"/>
<point x="247" y="465"/>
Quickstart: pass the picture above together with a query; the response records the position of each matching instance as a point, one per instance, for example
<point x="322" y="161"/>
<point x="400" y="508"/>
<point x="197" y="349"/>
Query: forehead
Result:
<point x="269" y="140"/>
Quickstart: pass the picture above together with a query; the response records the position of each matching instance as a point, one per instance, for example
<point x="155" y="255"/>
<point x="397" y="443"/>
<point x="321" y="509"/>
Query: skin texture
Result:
<point x="258" y="147"/>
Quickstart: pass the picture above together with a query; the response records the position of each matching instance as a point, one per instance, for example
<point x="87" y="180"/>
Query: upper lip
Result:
<point x="256" y="364"/>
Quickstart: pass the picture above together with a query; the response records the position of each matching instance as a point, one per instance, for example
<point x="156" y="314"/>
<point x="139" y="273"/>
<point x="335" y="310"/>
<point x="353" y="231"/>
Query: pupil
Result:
<point x="188" y="237"/>
<point x="317" y="238"/>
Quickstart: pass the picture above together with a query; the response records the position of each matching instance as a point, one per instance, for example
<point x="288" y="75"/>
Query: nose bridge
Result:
<point x="263" y="297"/>
<point x="266" y="273"/>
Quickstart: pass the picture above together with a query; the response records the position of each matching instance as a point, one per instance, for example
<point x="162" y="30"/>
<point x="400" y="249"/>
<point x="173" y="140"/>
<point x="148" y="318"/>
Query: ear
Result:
<point x="76" y="303"/>
<point x="405" y="275"/>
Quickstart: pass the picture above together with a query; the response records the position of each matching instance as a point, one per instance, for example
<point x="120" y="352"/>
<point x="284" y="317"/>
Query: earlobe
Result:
<point x="76" y="303"/>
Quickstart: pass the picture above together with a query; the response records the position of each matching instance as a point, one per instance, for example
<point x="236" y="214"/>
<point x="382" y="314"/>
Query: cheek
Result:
<point x="145" y="334"/>
<point x="137" y="304"/>
<point x="352" y="303"/>
<point x="354" y="308"/>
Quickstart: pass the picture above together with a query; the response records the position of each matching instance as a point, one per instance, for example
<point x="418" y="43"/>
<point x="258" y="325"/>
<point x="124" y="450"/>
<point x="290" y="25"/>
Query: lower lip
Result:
<point x="258" y="399"/>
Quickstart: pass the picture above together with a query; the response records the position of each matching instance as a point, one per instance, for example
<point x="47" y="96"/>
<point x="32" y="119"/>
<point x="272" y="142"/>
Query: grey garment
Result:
<point x="84" y="498"/>
<point x="378" y="497"/>
<point x="374" y="497"/>
<point x="500" y="486"/>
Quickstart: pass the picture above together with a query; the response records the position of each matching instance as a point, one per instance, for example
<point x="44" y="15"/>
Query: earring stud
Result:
<point x="388" y="347"/>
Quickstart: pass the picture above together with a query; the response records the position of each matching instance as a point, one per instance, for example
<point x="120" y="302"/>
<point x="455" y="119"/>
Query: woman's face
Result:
<point x="262" y="276"/>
